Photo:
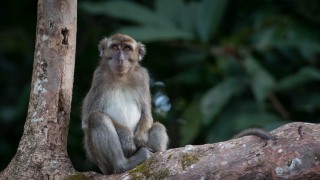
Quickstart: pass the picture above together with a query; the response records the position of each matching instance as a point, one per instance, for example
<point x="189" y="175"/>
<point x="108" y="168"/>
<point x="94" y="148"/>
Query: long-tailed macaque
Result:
<point x="119" y="132"/>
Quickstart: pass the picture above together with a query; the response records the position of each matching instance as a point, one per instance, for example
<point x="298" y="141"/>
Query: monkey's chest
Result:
<point x="123" y="107"/>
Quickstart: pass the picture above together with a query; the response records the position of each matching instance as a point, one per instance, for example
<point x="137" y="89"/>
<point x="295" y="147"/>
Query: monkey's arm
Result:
<point x="142" y="129"/>
<point x="91" y="101"/>
<point x="141" y="135"/>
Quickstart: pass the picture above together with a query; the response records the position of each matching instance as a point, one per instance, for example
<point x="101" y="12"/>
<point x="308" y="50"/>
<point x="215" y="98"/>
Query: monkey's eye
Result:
<point x="115" y="47"/>
<point x="127" y="48"/>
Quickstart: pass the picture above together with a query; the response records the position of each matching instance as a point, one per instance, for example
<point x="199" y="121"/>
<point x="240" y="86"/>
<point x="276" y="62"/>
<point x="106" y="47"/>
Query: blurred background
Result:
<point x="216" y="66"/>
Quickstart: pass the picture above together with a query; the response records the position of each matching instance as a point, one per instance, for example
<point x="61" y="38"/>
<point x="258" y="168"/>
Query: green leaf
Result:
<point x="126" y="10"/>
<point x="228" y="66"/>
<point x="187" y="18"/>
<point x="209" y="16"/>
<point x="191" y="125"/>
<point x="188" y="77"/>
<point x="304" y="75"/>
<point x="221" y="130"/>
<point x="309" y="103"/>
<point x="309" y="49"/>
<point x="262" y="81"/>
<point x="169" y="10"/>
<point x="147" y="33"/>
<point x="190" y="58"/>
<point x="217" y="97"/>
<point x="179" y="13"/>
<point x="265" y="38"/>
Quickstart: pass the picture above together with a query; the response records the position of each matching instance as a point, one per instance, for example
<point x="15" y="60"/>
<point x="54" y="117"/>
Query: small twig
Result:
<point x="278" y="106"/>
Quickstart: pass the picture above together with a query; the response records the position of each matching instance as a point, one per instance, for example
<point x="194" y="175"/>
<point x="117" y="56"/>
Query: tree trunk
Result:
<point x="42" y="152"/>
<point x="294" y="154"/>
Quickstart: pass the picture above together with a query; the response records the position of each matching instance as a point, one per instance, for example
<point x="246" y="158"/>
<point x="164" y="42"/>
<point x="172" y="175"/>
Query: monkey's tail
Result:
<point x="256" y="132"/>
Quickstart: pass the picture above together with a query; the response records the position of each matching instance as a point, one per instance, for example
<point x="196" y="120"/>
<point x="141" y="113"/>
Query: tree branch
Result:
<point x="294" y="154"/>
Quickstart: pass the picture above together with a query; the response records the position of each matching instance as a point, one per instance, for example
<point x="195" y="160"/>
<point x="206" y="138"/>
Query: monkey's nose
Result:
<point x="120" y="61"/>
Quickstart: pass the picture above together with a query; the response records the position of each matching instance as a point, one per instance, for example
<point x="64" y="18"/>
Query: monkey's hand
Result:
<point x="128" y="146"/>
<point x="141" y="139"/>
<point x="144" y="153"/>
<point x="129" y="149"/>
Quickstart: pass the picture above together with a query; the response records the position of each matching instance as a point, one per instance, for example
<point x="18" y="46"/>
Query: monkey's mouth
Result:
<point x="121" y="69"/>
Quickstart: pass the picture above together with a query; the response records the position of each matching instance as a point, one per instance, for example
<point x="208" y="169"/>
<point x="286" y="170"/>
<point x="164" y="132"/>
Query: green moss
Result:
<point x="161" y="174"/>
<point x="188" y="159"/>
<point x="78" y="176"/>
<point x="134" y="176"/>
<point x="145" y="169"/>
<point x="142" y="168"/>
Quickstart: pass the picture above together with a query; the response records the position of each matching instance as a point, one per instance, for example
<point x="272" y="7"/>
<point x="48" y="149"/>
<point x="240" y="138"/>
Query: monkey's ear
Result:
<point x="141" y="50"/>
<point x="102" y="46"/>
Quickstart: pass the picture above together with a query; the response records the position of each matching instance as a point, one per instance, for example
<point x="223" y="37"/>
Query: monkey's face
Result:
<point x="122" y="53"/>
<point x="120" y="57"/>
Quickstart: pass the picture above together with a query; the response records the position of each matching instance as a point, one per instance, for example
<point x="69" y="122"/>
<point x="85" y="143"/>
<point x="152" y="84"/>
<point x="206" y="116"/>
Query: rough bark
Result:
<point x="42" y="150"/>
<point x="294" y="154"/>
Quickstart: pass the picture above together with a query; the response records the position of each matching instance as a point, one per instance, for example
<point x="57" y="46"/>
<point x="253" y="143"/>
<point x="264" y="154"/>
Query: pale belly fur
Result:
<point x="123" y="108"/>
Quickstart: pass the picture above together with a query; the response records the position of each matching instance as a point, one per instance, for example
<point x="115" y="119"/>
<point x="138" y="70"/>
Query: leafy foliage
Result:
<point x="261" y="81"/>
<point x="215" y="99"/>
<point x="245" y="67"/>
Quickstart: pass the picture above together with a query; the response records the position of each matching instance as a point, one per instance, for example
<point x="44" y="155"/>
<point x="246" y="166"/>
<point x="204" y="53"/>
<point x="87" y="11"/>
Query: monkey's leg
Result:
<point x="158" y="138"/>
<point x="106" y="147"/>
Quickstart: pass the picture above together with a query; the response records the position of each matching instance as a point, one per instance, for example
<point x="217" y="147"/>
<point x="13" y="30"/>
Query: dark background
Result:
<point x="217" y="66"/>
